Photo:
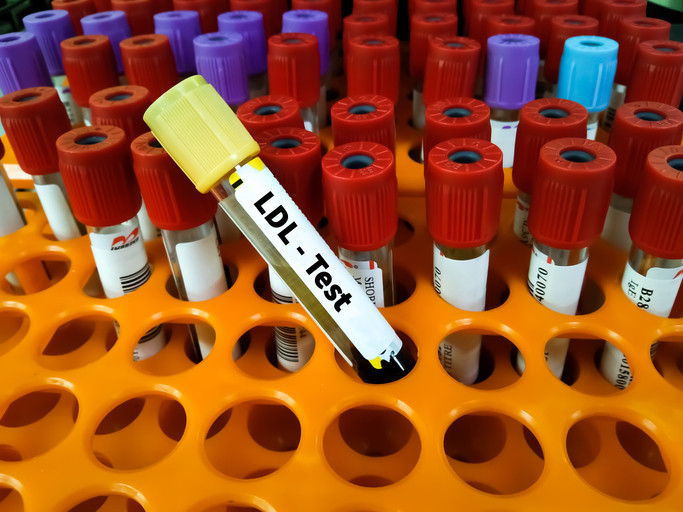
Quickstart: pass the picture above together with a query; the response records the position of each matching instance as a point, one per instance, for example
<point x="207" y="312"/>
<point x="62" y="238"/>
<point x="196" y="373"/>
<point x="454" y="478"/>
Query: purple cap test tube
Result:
<point x="181" y="27"/>
<point x="50" y="29"/>
<point x="21" y="63"/>
<point x="314" y="23"/>
<point x="220" y="60"/>
<point x="112" y="24"/>
<point x="249" y="24"/>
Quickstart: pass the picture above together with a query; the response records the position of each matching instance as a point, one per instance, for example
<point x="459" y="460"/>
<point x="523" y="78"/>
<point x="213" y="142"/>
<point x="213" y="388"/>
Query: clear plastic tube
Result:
<point x="310" y="117"/>
<point x="418" y="107"/>
<point x="592" y="125"/>
<point x="258" y="85"/>
<point x="615" y="230"/>
<point x="74" y="112"/>
<point x="55" y="202"/>
<point x="520" y="223"/>
<point x="504" y="131"/>
<point x="616" y="100"/>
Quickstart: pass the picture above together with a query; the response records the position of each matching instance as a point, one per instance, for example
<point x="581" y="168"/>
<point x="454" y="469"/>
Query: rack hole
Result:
<point x="232" y="508"/>
<point x="79" y="342"/>
<point x="10" y="500"/>
<point x="667" y="359"/>
<point x="35" y="274"/>
<point x="13" y="327"/>
<point x="108" y="503"/>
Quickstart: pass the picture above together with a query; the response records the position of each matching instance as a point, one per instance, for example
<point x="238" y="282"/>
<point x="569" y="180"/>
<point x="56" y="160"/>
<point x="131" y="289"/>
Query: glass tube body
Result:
<point x="504" y="131"/>
<point x="55" y="202"/>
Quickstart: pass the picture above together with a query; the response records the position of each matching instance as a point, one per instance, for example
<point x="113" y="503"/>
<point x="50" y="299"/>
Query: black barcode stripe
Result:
<point x="152" y="333"/>
<point x="132" y="282"/>
<point x="286" y="344"/>
<point x="282" y="299"/>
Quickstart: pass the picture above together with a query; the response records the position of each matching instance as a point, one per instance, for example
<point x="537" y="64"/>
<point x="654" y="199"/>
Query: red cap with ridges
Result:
<point x="422" y="26"/>
<point x="435" y="6"/>
<point x="172" y="201"/>
<point x="294" y="67"/>
<point x="103" y="5"/>
<point x="361" y="195"/>
<point x="656" y="224"/>
<point x="540" y="122"/>
<point x="293" y="155"/>
<point x="611" y="11"/>
<point x="631" y="32"/>
<point x="98" y="175"/>
<point x="271" y="23"/>
<point x="464" y="190"/>
<point x="571" y="192"/>
<point x="561" y="29"/>
<point x="373" y="66"/>
<point x="77" y="9"/>
<point x="657" y="73"/>
<point x="148" y="61"/>
<point x="121" y="106"/>
<point x="366" y="118"/>
<point x="33" y="119"/>
<point x="266" y="112"/>
<point x="208" y="11"/>
<point x="327" y="6"/>
<point x="456" y="118"/>
<point x="510" y="24"/>
<point x="89" y="65"/>
<point x="481" y="10"/>
<point x="388" y="7"/>
<point x="364" y="25"/>
<point x="451" y="68"/>
<point x="545" y="10"/>
<point x="639" y="127"/>
<point x="139" y="13"/>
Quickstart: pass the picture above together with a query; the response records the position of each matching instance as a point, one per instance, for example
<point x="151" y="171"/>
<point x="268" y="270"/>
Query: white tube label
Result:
<point x="503" y="134"/>
<point x="64" y="92"/>
<point x="281" y="221"/>
<point x="557" y="287"/>
<point x="58" y="212"/>
<point x="461" y="283"/>
<point x="520" y="225"/>
<point x="614" y="366"/>
<point x="201" y="268"/>
<point x="615" y="230"/>
<point x="592" y="130"/>
<point x="368" y="275"/>
<point x="656" y="292"/>
<point x="147" y="227"/>
<point x="151" y="343"/>
<point x="10" y="217"/>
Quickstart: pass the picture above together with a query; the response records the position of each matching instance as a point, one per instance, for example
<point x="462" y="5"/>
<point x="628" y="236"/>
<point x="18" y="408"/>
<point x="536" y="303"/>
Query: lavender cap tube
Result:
<point x="314" y="23"/>
<point x="220" y="60"/>
<point x="249" y="24"/>
<point x="21" y="63"/>
<point x="50" y="29"/>
<point x="511" y="70"/>
<point x="112" y="24"/>
<point x="181" y="27"/>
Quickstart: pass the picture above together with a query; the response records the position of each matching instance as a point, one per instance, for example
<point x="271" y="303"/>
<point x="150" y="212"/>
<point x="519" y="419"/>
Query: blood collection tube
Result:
<point x="657" y="73"/>
<point x="631" y="32"/>
<point x="451" y="68"/>
<point x="112" y="24"/>
<point x="272" y="17"/>
<point x="364" y="118"/>
<point x="181" y="27"/>
<point x="185" y="218"/>
<point x="422" y="27"/>
<point x="364" y="25"/>
<point x="360" y="191"/>
<point x="475" y="21"/>
<point x="586" y="75"/>
<point x="90" y="67"/>
<point x="21" y="63"/>
<point x="293" y="70"/>
<point x="464" y="190"/>
<point x="249" y="24"/>
<point x="510" y="24"/>
<point x="455" y="118"/>
<point x="612" y="11"/>
<point x="208" y="11"/>
<point x="96" y="165"/>
<point x="269" y="219"/>
<point x="266" y="112"/>
<point x="139" y="13"/>
<point x="639" y="127"/>
<point x="540" y="122"/>
<point x="512" y="67"/>
<point x="148" y="61"/>
<point x="294" y="154"/>
<point x="329" y="8"/>
<point x="570" y="194"/>
<point x="220" y="59"/>
<point x="654" y="271"/>
<point x="373" y="66"/>
<point x="388" y="7"/>
<point x="33" y="119"/>
<point x="76" y="9"/>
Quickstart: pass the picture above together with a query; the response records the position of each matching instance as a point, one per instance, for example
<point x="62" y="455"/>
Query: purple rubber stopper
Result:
<point x="181" y="27"/>
<point x="249" y="24"/>
<point x="112" y="24"/>
<point x="511" y="70"/>
<point x="314" y="23"/>
<point x="21" y="63"/>
<point x="50" y="29"/>
<point x="220" y="60"/>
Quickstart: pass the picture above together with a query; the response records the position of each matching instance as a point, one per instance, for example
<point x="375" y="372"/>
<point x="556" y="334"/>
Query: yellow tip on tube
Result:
<point x="200" y="132"/>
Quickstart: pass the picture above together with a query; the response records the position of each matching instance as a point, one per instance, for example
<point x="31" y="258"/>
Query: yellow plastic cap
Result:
<point x="200" y="132"/>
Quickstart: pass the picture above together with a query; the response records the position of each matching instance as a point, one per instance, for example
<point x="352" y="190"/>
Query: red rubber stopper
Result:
<point x="373" y="66"/>
<point x="327" y="6"/>
<point x="89" y="65"/>
<point x="171" y="199"/>
<point x="543" y="11"/>
<point x="76" y="9"/>
<point x="148" y="61"/>
<point x="612" y="11"/>
<point x="364" y="25"/>
<point x="639" y="127"/>
<point x="561" y="29"/>
<point x="294" y="67"/>
<point x="422" y="26"/>
<point x="656" y="224"/>
<point x="293" y="155"/>
<point x="267" y="112"/>
<point x="463" y="191"/>
<point x="33" y="119"/>
<point x="451" y="68"/>
<point x="98" y="175"/>
<point x="540" y="122"/>
<point x="435" y="6"/>
<point x="388" y="7"/>
<point x="571" y="192"/>
<point x="208" y="11"/>
<point x="510" y="24"/>
<point x="657" y="73"/>
<point x="475" y="22"/>
<point x="631" y="32"/>
<point x="139" y="13"/>
<point x="365" y="118"/>
<point x="271" y="23"/>
<point x="361" y="195"/>
<point x="121" y="106"/>
<point x="456" y="118"/>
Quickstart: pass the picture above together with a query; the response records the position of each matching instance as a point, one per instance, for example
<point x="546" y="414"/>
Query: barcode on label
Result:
<point x="152" y="333"/>
<point x="132" y="282"/>
<point x="278" y="298"/>
<point x="286" y="344"/>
